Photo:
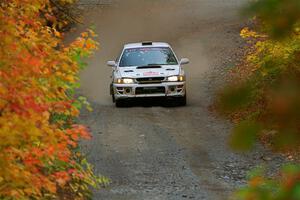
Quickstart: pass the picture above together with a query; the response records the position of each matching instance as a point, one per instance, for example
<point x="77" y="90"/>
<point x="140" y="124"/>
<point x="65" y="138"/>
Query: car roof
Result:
<point x="146" y="44"/>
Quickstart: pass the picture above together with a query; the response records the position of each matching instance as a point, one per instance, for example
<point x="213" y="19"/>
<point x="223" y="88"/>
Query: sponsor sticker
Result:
<point x="151" y="73"/>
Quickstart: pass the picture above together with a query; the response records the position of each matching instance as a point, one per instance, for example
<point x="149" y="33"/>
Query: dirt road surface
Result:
<point x="154" y="152"/>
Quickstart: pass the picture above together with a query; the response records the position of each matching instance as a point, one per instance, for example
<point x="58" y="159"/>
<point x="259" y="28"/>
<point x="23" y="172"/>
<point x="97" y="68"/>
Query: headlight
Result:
<point x="176" y="78"/>
<point x="128" y="80"/>
<point x="124" y="81"/>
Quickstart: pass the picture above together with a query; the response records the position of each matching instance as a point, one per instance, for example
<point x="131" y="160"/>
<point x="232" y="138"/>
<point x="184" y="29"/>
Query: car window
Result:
<point x="148" y="56"/>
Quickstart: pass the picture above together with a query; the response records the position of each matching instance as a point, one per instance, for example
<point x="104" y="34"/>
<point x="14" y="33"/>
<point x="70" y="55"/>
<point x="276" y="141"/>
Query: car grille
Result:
<point x="150" y="90"/>
<point x="150" y="80"/>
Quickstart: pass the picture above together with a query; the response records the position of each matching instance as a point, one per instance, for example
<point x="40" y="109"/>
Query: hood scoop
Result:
<point x="170" y="69"/>
<point x="149" y="67"/>
<point x="128" y="71"/>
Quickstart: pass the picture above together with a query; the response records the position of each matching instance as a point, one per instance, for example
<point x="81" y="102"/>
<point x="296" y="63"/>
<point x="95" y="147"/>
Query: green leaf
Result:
<point x="296" y="191"/>
<point x="244" y="135"/>
<point x="236" y="96"/>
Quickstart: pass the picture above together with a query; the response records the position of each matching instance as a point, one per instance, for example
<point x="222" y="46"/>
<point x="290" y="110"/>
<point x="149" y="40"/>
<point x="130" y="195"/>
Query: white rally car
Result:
<point x="148" y="69"/>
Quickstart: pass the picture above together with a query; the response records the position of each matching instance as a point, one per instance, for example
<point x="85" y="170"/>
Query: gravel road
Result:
<point x="154" y="152"/>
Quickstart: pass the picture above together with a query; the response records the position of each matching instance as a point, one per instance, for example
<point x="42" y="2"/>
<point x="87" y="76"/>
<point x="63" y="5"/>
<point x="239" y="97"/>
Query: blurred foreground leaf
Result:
<point x="244" y="135"/>
<point x="261" y="187"/>
<point x="235" y="97"/>
<point x="279" y="16"/>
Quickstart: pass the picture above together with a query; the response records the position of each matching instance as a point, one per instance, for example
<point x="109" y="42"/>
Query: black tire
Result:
<point x="181" y="101"/>
<point x="113" y="98"/>
<point x="120" y="103"/>
<point x="112" y="93"/>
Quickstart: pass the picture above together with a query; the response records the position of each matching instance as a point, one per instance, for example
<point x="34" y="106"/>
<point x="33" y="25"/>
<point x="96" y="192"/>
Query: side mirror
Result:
<point x="184" y="61"/>
<point x="112" y="63"/>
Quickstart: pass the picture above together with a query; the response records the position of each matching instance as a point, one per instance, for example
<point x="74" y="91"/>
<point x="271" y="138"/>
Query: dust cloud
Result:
<point x="187" y="25"/>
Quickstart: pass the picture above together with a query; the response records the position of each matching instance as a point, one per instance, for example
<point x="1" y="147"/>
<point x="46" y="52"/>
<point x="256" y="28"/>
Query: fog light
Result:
<point x="172" y="89"/>
<point x="127" y="90"/>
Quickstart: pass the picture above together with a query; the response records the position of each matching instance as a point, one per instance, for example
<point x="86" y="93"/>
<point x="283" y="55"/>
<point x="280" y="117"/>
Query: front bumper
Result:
<point x="166" y="89"/>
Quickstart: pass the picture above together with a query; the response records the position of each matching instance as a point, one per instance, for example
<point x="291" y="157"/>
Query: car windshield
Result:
<point x="148" y="56"/>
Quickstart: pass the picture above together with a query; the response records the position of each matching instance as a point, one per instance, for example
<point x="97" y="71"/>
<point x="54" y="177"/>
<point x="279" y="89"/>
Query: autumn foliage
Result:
<point x="38" y="134"/>
<point x="284" y="187"/>
<point x="263" y="97"/>
<point x="267" y="97"/>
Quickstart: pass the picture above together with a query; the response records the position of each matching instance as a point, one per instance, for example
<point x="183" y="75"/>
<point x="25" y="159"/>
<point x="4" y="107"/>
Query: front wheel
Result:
<point x="113" y="98"/>
<point x="112" y="93"/>
<point x="176" y="101"/>
<point x="181" y="101"/>
<point x="120" y="103"/>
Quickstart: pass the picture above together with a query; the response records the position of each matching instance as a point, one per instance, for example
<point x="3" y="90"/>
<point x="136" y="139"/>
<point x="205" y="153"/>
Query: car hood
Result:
<point x="149" y="71"/>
